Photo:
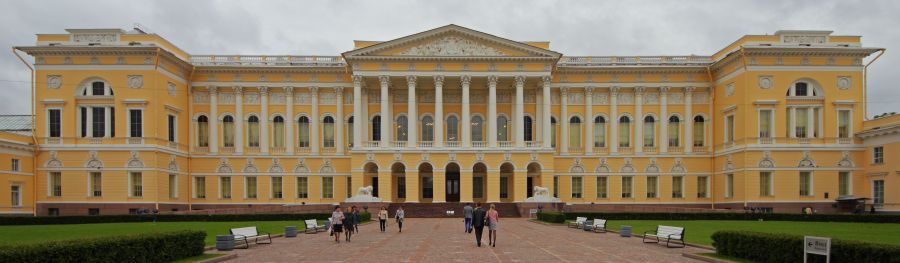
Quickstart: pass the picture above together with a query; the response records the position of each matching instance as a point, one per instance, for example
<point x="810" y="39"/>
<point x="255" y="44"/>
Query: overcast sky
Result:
<point x="573" y="28"/>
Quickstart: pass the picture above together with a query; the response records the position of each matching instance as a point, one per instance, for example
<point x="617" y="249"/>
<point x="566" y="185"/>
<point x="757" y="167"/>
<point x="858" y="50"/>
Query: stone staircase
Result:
<point x="439" y="210"/>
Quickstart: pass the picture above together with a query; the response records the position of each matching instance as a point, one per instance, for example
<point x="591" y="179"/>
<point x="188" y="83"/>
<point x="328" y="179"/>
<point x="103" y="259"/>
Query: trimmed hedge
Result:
<point x="766" y="247"/>
<point x="551" y="217"/>
<point x="365" y="217"/>
<point x="866" y="218"/>
<point x="54" y="220"/>
<point x="152" y="247"/>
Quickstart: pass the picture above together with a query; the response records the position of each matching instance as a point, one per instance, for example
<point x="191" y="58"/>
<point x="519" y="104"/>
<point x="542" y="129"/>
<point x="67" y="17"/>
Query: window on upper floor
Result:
<point x="14" y="165"/>
<point x="328" y="132"/>
<point x="844" y="121"/>
<point x="729" y="129"/>
<point x="97" y="121"/>
<point x="136" y="123"/>
<point x="427" y="128"/>
<point x="699" y="131"/>
<point x="303" y="132"/>
<point x="624" y="131"/>
<point x="599" y="132"/>
<point x="228" y="131"/>
<point x="804" y="121"/>
<point x="54" y="123"/>
<point x="502" y="128"/>
<point x="765" y="123"/>
<point x="278" y="132"/>
<point x="553" y="132"/>
<point x="402" y="124"/>
<point x="171" y="127"/>
<point x="575" y="132"/>
<point x="529" y="129"/>
<point x="803" y="89"/>
<point x="376" y="128"/>
<point x="350" y="131"/>
<point x="649" y="131"/>
<point x="252" y="132"/>
<point x="674" y="131"/>
<point x="203" y="131"/>
<point x="878" y="155"/>
<point x="453" y="128"/>
<point x="97" y="88"/>
<point x="477" y="129"/>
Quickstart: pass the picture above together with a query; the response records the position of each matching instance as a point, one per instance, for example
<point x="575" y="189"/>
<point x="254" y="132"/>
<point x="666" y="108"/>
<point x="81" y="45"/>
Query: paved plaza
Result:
<point x="443" y="240"/>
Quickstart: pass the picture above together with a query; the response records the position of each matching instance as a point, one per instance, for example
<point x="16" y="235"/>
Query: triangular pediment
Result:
<point x="451" y="41"/>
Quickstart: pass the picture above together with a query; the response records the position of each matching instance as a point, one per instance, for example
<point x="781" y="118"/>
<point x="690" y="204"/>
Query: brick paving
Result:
<point x="443" y="240"/>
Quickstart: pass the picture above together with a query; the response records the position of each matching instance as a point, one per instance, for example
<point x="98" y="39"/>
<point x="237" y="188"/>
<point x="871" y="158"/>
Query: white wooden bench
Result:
<point x="245" y="234"/>
<point x="668" y="232"/>
<point x="532" y="213"/>
<point x="599" y="225"/>
<point x="312" y="226"/>
<point x="579" y="222"/>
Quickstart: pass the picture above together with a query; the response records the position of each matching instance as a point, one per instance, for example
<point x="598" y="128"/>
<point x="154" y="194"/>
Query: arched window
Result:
<point x="402" y="128"/>
<point x="228" y="131"/>
<point x="502" y="128"/>
<point x="529" y="129"/>
<point x="575" y="131"/>
<point x="376" y="128"/>
<point x="203" y="131"/>
<point x="599" y="132"/>
<point x="350" y="131"/>
<point x="97" y="88"/>
<point x="252" y="131"/>
<point x="803" y="89"/>
<point x="328" y="132"/>
<point x="699" y="129"/>
<point x="477" y="129"/>
<point x="804" y="121"/>
<point x="452" y="128"/>
<point x="552" y="132"/>
<point x="674" y="131"/>
<point x="278" y="132"/>
<point x="427" y="128"/>
<point x="303" y="132"/>
<point x="649" y="131"/>
<point x="624" y="131"/>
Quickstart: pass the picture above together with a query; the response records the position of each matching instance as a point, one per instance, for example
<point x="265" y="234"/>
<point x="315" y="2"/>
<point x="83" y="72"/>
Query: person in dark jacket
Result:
<point x="479" y="216"/>
<point x="348" y="223"/>
<point x="355" y="219"/>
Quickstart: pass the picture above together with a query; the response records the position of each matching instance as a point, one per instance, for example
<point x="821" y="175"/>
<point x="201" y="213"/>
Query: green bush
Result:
<point x="151" y="247"/>
<point x="53" y="220"/>
<point x="551" y="217"/>
<point x="365" y="217"/>
<point x="766" y="247"/>
<point x="866" y="218"/>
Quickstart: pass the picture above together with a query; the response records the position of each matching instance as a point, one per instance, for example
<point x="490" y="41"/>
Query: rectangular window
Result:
<point x="200" y="187"/>
<point x="303" y="134"/>
<point x="806" y="184"/>
<point x="328" y="135"/>
<point x="173" y="186"/>
<point x="96" y="184"/>
<point x="401" y="187"/>
<point x="729" y="129"/>
<point x="171" y="128"/>
<point x="702" y="186"/>
<point x="137" y="123"/>
<point x="765" y="184"/>
<point x="137" y="185"/>
<point x="652" y="186"/>
<point x="878" y="193"/>
<point x="55" y="183"/>
<point x="878" y="155"/>
<point x="677" y="187"/>
<point x="225" y="187"/>
<point x="302" y="187"/>
<point x="276" y="188"/>
<point x="729" y="185"/>
<point x="602" y="187"/>
<point x="14" y="165"/>
<point x="15" y="196"/>
<point x="801" y="122"/>
<point x="504" y="187"/>
<point x="98" y="88"/>
<point x="328" y="187"/>
<point x="98" y="122"/>
<point x="250" y="187"/>
<point x="844" y="184"/>
<point x="576" y="186"/>
<point x="844" y="124"/>
<point x="477" y="187"/>
<point x="556" y="186"/>
<point x="428" y="187"/>
<point x="626" y="186"/>
<point x="349" y="189"/>
<point x="765" y="123"/>
<point x="54" y="123"/>
<point x="84" y="123"/>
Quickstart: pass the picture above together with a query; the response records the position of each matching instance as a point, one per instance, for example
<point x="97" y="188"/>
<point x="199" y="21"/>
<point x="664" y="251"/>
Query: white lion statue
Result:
<point x="541" y="191"/>
<point x="364" y="191"/>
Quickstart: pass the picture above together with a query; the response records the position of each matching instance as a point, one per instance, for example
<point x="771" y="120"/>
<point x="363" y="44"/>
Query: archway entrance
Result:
<point x="479" y="181"/>
<point x="398" y="173"/>
<point x="452" y="174"/>
<point x="370" y="177"/>
<point x="426" y="183"/>
<point x="534" y="178"/>
<point x="506" y="182"/>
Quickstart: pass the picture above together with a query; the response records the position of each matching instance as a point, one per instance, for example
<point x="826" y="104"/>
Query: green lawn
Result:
<point x="699" y="231"/>
<point x="40" y="233"/>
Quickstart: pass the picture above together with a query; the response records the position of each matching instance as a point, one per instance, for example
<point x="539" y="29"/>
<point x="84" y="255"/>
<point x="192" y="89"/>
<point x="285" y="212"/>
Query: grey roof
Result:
<point x="18" y="124"/>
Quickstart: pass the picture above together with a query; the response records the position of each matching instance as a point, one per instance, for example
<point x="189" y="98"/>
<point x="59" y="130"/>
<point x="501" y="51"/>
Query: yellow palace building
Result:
<point x="125" y="120"/>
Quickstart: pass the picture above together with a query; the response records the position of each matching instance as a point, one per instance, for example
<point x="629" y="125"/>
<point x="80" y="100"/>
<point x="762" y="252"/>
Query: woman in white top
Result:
<point x="399" y="216"/>
<point x="337" y="221"/>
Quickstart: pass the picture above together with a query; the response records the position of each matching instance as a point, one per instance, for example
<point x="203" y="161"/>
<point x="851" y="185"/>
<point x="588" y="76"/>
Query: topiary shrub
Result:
<point x="151" y="247"/>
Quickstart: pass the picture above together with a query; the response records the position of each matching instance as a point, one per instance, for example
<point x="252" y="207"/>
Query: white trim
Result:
<point x="19" y="190"/>
<point x="849" y="123"/>
<point x="131" y="184"/>
<point x="772" y="127"/>
<point x="173" y="194"/>
<point x="807" y="68"/>
<point x="162" y="70"/>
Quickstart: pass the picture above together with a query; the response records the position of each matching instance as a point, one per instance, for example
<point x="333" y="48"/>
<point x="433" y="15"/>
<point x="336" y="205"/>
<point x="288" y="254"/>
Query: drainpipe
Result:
<point x="33" y="138"/>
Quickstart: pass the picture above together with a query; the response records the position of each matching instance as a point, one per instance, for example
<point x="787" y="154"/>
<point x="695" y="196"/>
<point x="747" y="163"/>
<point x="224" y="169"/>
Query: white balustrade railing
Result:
<point x="226" y="150"/>
<point x="245" y="60"/>
<point x="595" y="61"/>
<point x="372" y="143"/>
<point x="328" y="150"/>
<point x="134" y="140"/>
<point x="426" y="144"/>
<point x="302" y="150"/>
<point x="452" y="144"/>
<point x="251" y="150"/>
<point x="533" y="144"/>
<point x="398" y="144"/>
<point x="506" y="144"/>
<point x="278" y="150"/>
<point x="601" y="150"/>
<point x="479" y="144"/>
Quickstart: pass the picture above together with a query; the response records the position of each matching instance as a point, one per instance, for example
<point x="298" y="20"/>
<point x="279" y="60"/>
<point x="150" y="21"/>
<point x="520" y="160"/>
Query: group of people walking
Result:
<point x="475" y="219"/>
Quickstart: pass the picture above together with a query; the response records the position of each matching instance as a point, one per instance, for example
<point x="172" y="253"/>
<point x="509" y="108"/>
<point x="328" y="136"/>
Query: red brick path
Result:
<point x="443" y="240"/>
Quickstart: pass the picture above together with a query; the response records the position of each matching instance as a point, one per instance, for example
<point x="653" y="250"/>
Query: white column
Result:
<point x="90" y="119"/>
<point x="314" y="121"/>
<point x="366" y="130"/>
<point x="289" y="119"/>
<point x="793" y="132"/>
<point x="385" y="115"/>
<point x="359" y="119"/>
<point x="614" y="120"/>
<point x="519" y="118"/>
<point x="412" y="115"/>
<point x="547" y="125"/>
<point x="588" y="120"/>
<point x="663" y="119"/>
<point x="639" y="119"/>
<point x="238" y="119"/>
<point x="264" y="120"/>
<point x="688" y="121"/>
<point x="438" y="111"/>
<point x="213" y="120"/>
<point x="564" y="120"/>
<point x="339" y="122"/>
<point x="809" y="122"/>
<point x="466" y="121"/>
<point x="107" y="121"/>
<point x="492" y="111"/>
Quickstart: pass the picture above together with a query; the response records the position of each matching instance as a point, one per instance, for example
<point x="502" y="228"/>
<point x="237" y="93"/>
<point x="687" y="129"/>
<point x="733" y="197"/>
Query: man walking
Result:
<point x="467" y="214"/>
<point x="478" y="218"/>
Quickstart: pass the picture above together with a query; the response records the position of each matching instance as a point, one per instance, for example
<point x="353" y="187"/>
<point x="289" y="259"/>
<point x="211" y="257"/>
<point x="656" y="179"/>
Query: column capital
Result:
<point x="689" y="89"/>
<point x="314" y="91"/>
<point x="588" y="90"/>
<point x="212" y="89"/>
<point x="614" y="90"/>
<point x="411" y="80"/>
<point x="439" y="80"/>
<point x="339" y="91"/>
<point x="664" y="89"/>
<point x="357" y="80"/>
<point x="639" y="89"/>
<point x="385" y="80"/>
<point x="263" y="90"/>
<point x="520" y="80"/>
<point x="238" y="90"/>
<point x="289" y="90"/>
<point x="546" y="80"/>
<point x="492" y="80"/>
<point x="466" y="79"/>
<point x="563" y="91"/>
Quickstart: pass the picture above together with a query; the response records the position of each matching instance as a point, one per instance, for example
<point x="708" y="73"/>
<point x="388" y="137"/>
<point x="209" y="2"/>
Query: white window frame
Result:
<point x="50" y="184"/>
<point x="772" y="123"/>
<point x="322" y="187"/>
<point x="655" y="191"/>
<point x="15" y="165"/>
<point x="297" y="187"/>
<point x="230" y="188"/>
<point x="812" y="180"/>
<point x="729" y="185"/>
<point x="708" y="183"/>
<point x="729" y="130"/>
<point x="174" y="127"/>
<point x="598" y="187"/>
<point x="131" y="184"/>
<point x="90" y="184"/>
<point x="622" y="187"/>
<point x="61" y="125"/>
<point x="247" y="187"/>
<point x="849" y="183"/>
<point x="580" y="186"/>
<point x="875" y="158"/>
<point x="771" y="182"/>
<point x="16" y="203"/>
<point x="128" y="122"/>
<point x="196" y="193"/>
<point x="673" y="186"/>
<point x="173" y="185"/>
<point x="272" y="187"/>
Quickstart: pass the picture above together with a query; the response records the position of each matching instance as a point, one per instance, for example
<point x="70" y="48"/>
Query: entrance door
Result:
<point x="529" y="185"/>
<point x="452" y="186"/>
<point x="878" y="193"/>
<point x="375" y="186"/>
